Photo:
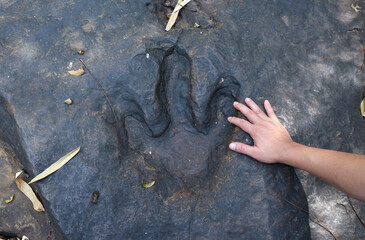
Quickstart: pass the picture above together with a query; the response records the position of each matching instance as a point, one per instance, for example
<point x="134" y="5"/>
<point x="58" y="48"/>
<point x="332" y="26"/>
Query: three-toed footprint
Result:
<point x="175" y="129"/>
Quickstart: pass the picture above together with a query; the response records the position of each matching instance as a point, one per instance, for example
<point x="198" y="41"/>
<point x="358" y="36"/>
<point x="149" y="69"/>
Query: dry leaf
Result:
<point x="180" y="4"/>
<point x="196" y="25"/>
<point x="147" y="185"/>
<point x="362" y="107"/>
<point x="28" y="191"/>
<point x="356" y="8"/>
<point x="77" y="72"/>
<point x="10" y="199"/>
<point x="8" y="238"/>
<point x="55" y="166"/>
<point x="81" y="52"/>
<point x="25" y="238"/>
<point x="68" y="101"/>
<point x="95" y="197"/>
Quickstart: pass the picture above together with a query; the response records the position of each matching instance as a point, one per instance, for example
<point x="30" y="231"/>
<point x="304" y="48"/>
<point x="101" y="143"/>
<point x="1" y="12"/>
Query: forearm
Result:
<point x="345" y="171"/>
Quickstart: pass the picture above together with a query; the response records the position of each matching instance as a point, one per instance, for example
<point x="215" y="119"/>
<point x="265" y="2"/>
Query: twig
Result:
<point x="101" y="88"/>
<point x="357" y="215"/>
<point x="320" y="222"/>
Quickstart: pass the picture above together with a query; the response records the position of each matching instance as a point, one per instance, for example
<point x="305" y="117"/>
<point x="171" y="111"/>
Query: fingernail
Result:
<point x="235" y="103"/>
<point x="232" y="146"/>
<point x="266" y="101"/>
<point x="248" y="99"/>
<point x="229" y="118"/>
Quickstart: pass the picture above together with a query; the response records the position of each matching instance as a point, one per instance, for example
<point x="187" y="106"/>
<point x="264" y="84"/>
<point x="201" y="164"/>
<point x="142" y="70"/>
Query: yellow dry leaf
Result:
<point x="77" y="72"/>
<point x="362" y="107"/>
<point x="356" y="8"/>
<point x="148" y="185"/>
<point x="28" y="191"/>
<point x="180" y="4"/>
<point x="68" y="101"/>
<point x="10" y="199"/>
<point x="7" y="238"/>
<point x="55" y="166"/>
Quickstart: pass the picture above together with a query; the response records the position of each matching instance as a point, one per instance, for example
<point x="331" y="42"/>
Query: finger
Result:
<point x="247" y="112"/>
<point x="243" y="148"/>
<point x="270" y="112"/>
<point x="256" y="109"/>
<point x="241" y="123"/>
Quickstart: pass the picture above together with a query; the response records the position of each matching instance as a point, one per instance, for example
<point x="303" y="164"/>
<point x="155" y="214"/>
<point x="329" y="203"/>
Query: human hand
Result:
<point x="271" y="139"/>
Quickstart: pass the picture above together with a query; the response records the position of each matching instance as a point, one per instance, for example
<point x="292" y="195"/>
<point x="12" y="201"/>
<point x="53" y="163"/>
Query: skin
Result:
<point x="273" y="144"/>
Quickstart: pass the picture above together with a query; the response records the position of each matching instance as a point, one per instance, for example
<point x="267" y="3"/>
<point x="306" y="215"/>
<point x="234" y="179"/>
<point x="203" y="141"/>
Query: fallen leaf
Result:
<point x="68" y="101"/>
<point x="55" y="166"/>
<point x="25" y="238"/>
<point x="362" y="107"/>
<point x="180" y="4"/>
<point x="28" y="191"/>
<point x="8" y="238"/>
<point x="148" y="185"/>
<point x="356" y="8"/>
<point x="10" y="199"/>
<point x="95" y="197"/>
<point x="77" y="72"/>
<point x="81" y="52"/>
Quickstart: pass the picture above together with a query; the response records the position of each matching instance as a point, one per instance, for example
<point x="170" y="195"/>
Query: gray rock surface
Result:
<point x="17" y="218"/>
<point x="171" y="93"/>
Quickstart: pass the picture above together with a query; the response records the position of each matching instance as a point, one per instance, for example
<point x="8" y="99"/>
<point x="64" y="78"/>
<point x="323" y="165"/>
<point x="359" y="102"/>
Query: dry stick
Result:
<point x="357" y="215"/>
<point x="101" y="88"/>
<point x="302" y="209"/>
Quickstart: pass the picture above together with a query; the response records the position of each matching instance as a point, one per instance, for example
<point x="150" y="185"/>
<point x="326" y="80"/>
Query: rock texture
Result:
<point x="18" y="217"/>
<point x="171" y="93"/>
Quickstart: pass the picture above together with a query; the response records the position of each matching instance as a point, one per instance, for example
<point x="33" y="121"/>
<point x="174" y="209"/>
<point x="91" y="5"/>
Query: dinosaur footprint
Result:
<point x="176" y="134"/>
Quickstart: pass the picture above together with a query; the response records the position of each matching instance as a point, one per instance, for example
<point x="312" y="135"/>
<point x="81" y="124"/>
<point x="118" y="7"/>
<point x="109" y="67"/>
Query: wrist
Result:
<point x="290" y="153"/>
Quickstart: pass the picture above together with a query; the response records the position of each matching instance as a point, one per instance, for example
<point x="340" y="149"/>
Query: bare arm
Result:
<point x="273" y="144"/>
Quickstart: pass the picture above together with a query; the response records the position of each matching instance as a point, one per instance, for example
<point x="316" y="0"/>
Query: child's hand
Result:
<point x="271" y="139"/>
